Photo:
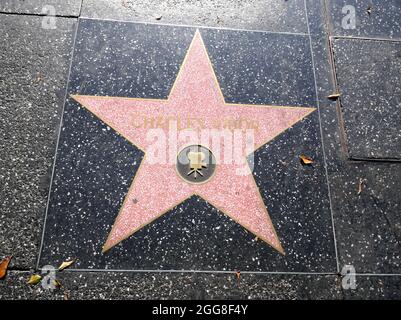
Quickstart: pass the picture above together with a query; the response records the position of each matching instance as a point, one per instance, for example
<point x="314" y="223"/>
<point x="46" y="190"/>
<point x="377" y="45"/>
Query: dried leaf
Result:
<point x="66" y="264"/>
<point x="238" y="274"/>
<point x="4" y="266"/>
<point x="57" y="283"/>
<point x="305" y="159"/>
<point x="34" y="279"/>
<point x="334" y="96"/>
<point x="256" y="239"/>
<point x="361" y="185"/>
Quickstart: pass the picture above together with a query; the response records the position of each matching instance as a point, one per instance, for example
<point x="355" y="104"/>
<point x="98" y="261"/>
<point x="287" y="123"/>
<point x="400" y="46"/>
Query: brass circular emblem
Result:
<point x="196" y="164"/>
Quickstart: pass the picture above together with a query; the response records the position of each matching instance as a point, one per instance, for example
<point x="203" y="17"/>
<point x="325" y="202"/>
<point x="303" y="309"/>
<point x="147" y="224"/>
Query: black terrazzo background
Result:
<point x="266" y="15"/>
<point x="384" y="20"/>
<point x="33" y="81"/>
<point x="178" y="286"/>
<point x="95" y="166"/>
<point x="369" y="77"/>
<point x="368" y="223"/>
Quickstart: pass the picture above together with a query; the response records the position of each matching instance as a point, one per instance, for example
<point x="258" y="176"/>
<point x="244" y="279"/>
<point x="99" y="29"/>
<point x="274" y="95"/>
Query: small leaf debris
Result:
<point x="4" y="265"/>
<point x="305" y="160"/>
<point x="66" y="264"/>
<point x="334" y="96"/>
<point x="34" y="279"/>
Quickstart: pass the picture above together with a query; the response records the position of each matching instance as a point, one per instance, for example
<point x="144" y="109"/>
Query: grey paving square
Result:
<point x="375" y="288"/>
<point x="267" y="15"/>
<point x="364" y="194"/>
<point x="174" y="286"/>
<point x="34" y="65"/>
<point x="369" y="77"/>
<point x="367" y="219"/>
<point x="373" y="19"/>
<point x="61" y="7"/>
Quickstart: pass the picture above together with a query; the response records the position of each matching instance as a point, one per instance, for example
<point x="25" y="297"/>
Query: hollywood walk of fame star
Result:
<point x="157" y="187"/>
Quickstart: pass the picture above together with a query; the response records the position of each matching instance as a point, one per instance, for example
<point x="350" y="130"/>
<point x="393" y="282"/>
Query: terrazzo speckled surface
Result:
<point x="95" y="165"/>
<point x="267" y="15"/>
<point x="34" y="72"/>
<point x="373" y="19"/>
<point x="174" y="286"/>
<point x="52" y="7"/>
<point x="369" y="74"/>
<point x="364" y="194"/>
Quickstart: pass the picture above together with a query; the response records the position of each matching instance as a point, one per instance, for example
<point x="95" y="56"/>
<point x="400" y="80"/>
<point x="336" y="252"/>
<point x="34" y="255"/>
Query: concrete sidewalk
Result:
<point x="65" y="173"/>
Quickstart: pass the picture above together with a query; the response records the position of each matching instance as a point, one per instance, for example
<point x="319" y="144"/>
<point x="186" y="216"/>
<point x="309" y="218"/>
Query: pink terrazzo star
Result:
<point x="157" y="187"/>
